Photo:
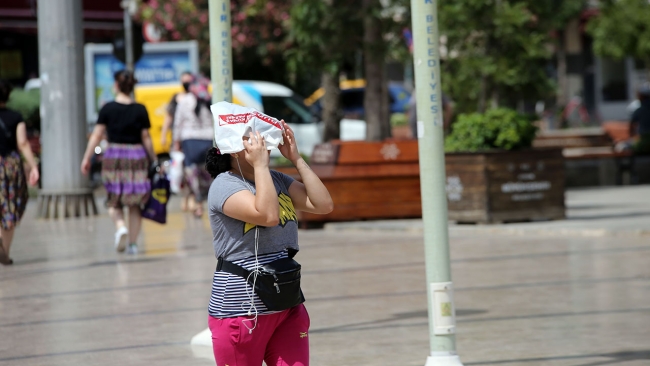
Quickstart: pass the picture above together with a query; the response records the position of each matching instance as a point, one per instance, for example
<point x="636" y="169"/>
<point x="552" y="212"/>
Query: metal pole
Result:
<point x="221" y="75"/>
<point x="60" y="47"/>
<point x="220" y="50"/>
<point x="426" y="60"/>
<point x="128" y="35"/>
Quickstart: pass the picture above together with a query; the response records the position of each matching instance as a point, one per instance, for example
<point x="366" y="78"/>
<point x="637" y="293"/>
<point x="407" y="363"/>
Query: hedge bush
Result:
<point x="499" y="128"/>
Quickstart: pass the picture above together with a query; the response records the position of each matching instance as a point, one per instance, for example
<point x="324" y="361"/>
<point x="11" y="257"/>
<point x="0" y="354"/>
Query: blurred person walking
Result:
<point x="640" y="121"/>
<point x="13" y="183"/>
<point x="186" y="80"/>
<point x="254" y="224"/>
<point x="126" y="162"/>
<point x="193" y="135"/>
<point x="187" y="202"/>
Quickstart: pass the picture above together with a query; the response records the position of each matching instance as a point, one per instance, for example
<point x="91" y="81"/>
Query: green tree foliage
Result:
<point x="325" y="35"/>
<point x="622" y="28"/>
<point x="499" y="128"/>
<point x="498" y="50"/>
<point x="322" y="35"/>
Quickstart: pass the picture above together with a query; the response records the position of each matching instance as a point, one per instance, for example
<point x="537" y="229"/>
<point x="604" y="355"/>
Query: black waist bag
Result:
<point x="277" y="284"/>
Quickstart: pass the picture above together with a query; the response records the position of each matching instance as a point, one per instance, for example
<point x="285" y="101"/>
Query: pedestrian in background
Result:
<point x="187" y="201"/>
<point x="251" y="205"/>
<point x="186" y="80"/>
<point x="640" y="121"/>
<point x="13" y="183"/>
<point x="193" y="135"/>
<point x="126" y="162"/>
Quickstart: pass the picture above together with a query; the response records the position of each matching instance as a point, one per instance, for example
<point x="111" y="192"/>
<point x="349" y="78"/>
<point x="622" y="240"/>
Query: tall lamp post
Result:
<point x="426" y="61"/>
<point x="130" y="7"/>
<point x="221" y="77"/>
<point x="220" y="50"/>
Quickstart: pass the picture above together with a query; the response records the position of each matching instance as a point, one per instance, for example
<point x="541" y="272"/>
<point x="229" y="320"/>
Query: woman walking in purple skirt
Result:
<point x="126" y="161"/>
<point x="13" y="180"/>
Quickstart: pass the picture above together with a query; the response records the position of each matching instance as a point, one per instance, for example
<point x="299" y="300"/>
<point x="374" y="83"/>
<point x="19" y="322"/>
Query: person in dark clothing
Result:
<point x="13" y="183"/>
<point x="126" y="162"/>
<point x="640" y="122"/>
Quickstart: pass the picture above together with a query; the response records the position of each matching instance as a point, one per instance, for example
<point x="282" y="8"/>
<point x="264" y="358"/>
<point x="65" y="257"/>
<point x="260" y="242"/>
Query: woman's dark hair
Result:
<point x="216" y="162"/>
<point x="5" y="90"/>
<point x="125" y="81"/>
<point x="200" y="104"/>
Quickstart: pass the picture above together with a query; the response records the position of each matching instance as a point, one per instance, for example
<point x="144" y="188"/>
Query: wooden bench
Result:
<point x="366" y="183"/>
<point x="593" y="147"/>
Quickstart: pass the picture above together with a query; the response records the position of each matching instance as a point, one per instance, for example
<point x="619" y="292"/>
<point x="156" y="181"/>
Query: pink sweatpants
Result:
<point x="279" y="339"/>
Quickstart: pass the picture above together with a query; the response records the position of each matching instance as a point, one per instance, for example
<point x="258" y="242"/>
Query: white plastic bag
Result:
<point x="176" y="171"/>
<point x="233" y="122"/>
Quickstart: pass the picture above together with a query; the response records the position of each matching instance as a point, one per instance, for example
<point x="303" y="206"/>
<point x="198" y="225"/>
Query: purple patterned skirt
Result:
<point x="125" y="169"/>
<point x="13" y="190"/>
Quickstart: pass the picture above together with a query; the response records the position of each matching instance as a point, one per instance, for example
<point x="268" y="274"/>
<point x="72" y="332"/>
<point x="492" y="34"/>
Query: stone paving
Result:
<point x="568" y="300"/>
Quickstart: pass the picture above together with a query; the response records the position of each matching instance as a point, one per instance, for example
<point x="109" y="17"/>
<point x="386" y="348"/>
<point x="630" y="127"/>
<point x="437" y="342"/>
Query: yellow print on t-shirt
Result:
<point x="287" y="213"/>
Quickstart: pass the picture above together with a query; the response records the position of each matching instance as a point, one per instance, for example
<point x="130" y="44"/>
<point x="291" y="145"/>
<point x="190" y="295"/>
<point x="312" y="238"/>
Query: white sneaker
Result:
<point x="132" y="249"/>
<point x="121" y="237"/>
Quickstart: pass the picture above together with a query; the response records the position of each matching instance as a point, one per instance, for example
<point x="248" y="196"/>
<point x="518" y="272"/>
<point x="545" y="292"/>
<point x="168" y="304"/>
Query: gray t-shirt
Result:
<point x="234" y="239"/>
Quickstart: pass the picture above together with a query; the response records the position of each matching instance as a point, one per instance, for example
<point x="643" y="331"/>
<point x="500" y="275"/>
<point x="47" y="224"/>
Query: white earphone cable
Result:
<point x="252" y="309"/>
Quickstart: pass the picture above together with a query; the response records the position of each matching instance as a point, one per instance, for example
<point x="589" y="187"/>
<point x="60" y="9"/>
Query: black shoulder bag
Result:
<point x="277" y="284"/>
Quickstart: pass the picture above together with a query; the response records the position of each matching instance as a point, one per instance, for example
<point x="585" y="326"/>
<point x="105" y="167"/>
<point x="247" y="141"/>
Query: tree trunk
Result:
<point x="494" y="99"/>
<point x="482" y="94"/>
<point x="375" y="102"/>
<point x="331" y="107"/>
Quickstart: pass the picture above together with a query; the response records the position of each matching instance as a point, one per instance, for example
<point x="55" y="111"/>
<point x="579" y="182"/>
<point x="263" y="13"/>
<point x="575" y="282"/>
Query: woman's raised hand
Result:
<point x="289" y="148"/>
<point x="255" y="150"/>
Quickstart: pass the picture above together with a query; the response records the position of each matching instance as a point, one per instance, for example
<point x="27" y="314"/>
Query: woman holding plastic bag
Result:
<point x="256" y="310"/>
<point x="193" y="133"/>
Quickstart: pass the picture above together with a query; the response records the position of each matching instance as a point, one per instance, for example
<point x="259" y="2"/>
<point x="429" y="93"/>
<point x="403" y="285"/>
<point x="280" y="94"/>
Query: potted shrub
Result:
<point x="493" y="175"/>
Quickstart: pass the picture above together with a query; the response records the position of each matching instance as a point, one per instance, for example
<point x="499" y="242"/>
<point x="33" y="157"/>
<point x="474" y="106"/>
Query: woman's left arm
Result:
<point x="145" y="136"/>
<point x="26" y="150"/>
<point x="311" y="195"/>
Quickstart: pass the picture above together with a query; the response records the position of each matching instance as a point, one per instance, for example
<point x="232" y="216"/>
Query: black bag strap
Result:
<point x="4" y="129"/>
<point x="230" y="267"/>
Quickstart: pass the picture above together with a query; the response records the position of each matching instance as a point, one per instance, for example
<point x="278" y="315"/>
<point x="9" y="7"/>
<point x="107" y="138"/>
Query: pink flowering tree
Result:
<point x="258" y="26"/>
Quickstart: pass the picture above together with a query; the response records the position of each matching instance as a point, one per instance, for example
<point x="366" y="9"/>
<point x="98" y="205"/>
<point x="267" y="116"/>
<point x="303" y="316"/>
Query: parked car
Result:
<point x="271" y="98"/>
<point x="352" y="95"/>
